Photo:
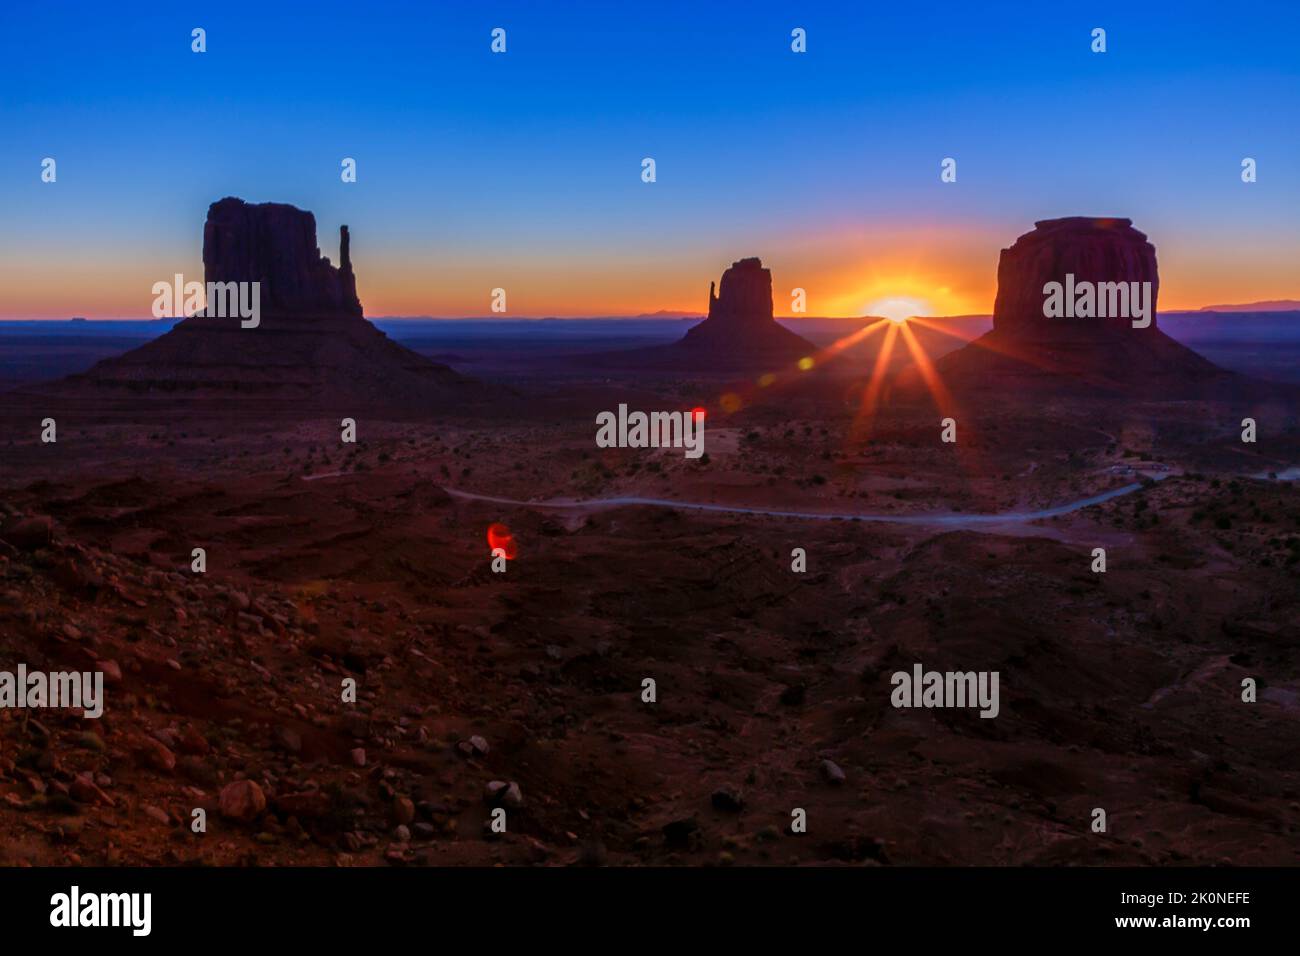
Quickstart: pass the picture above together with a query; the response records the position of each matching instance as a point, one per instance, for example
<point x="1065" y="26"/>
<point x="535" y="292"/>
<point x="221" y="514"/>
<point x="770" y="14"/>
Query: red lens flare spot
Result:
<point x="499" y="536"/>
<point x="698" y="413"/>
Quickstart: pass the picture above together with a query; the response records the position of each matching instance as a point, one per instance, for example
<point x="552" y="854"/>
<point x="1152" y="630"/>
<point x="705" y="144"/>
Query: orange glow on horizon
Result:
<point x="898" y="308"/>
<point x="845" y="273"/>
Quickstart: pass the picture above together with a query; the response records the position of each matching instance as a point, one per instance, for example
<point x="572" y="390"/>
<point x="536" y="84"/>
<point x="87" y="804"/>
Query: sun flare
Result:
<point x="898" y="308"/>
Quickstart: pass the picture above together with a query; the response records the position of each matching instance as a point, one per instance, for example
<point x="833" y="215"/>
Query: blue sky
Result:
<point x="523" y="170"/>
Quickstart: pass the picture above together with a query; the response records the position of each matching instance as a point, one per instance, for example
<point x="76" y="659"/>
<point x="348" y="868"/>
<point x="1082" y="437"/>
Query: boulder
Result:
<point x="242" y="801"/>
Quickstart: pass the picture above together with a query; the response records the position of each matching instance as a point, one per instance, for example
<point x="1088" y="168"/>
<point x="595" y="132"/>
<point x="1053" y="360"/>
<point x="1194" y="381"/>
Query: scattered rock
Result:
<point x="242" y="801"/>
<point x="84" y="790"/>
<point x="403" y="810"/>
<point x="728" y="799"/>
<point x="501" y="793"/>
<point x="112" y="671"/>
<point x="193" y="743"/>
<point x="153" y="753"/>
<point x="832" y="773"/>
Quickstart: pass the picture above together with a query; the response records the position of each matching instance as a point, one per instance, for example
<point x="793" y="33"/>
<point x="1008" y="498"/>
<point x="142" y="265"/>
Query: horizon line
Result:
<point x="1244" y="308"/>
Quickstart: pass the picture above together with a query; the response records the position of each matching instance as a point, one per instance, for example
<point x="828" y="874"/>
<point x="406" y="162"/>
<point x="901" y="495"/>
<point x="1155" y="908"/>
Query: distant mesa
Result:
<point x="669" y="314"/>
<point x="1027" y="347"/>
<point x="1271" y="305"/>
<point x="312" y="344"/>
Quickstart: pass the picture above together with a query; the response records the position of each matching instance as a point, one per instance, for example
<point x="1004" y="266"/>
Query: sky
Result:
<point x="523" y="170"/>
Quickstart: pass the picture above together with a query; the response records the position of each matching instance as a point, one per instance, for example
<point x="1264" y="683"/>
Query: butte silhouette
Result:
<point x="312" y="346"/>
<point x="739" y="334"/>
<point x="740" y="323"/>
<point x="1027" y="349"/>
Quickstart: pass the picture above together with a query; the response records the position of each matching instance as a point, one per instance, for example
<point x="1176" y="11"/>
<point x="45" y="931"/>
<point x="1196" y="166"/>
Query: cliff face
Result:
<point x="745" y="295"/>
<point x="1091" y="250"/>
<point x="275" y="244"/>
<point x="1029" y="349"/>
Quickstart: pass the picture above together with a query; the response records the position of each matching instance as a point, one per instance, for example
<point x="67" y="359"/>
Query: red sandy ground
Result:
<point x="1119" y="691"/>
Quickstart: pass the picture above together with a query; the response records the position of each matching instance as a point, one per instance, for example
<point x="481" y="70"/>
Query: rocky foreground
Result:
<point x="523" y="691"/>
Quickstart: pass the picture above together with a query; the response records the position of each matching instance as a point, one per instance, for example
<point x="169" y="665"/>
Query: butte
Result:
<point x="1028" y="351"/>
<point x="739" y="334"/>
<point x="313" y="348"/>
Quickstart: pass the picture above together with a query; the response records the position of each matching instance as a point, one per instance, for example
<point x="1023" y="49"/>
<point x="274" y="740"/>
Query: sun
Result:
<point x="898" y="308"/>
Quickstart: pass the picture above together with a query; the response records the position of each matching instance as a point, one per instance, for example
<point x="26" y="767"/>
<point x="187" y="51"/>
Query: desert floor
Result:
<point x="325" y="561"/>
